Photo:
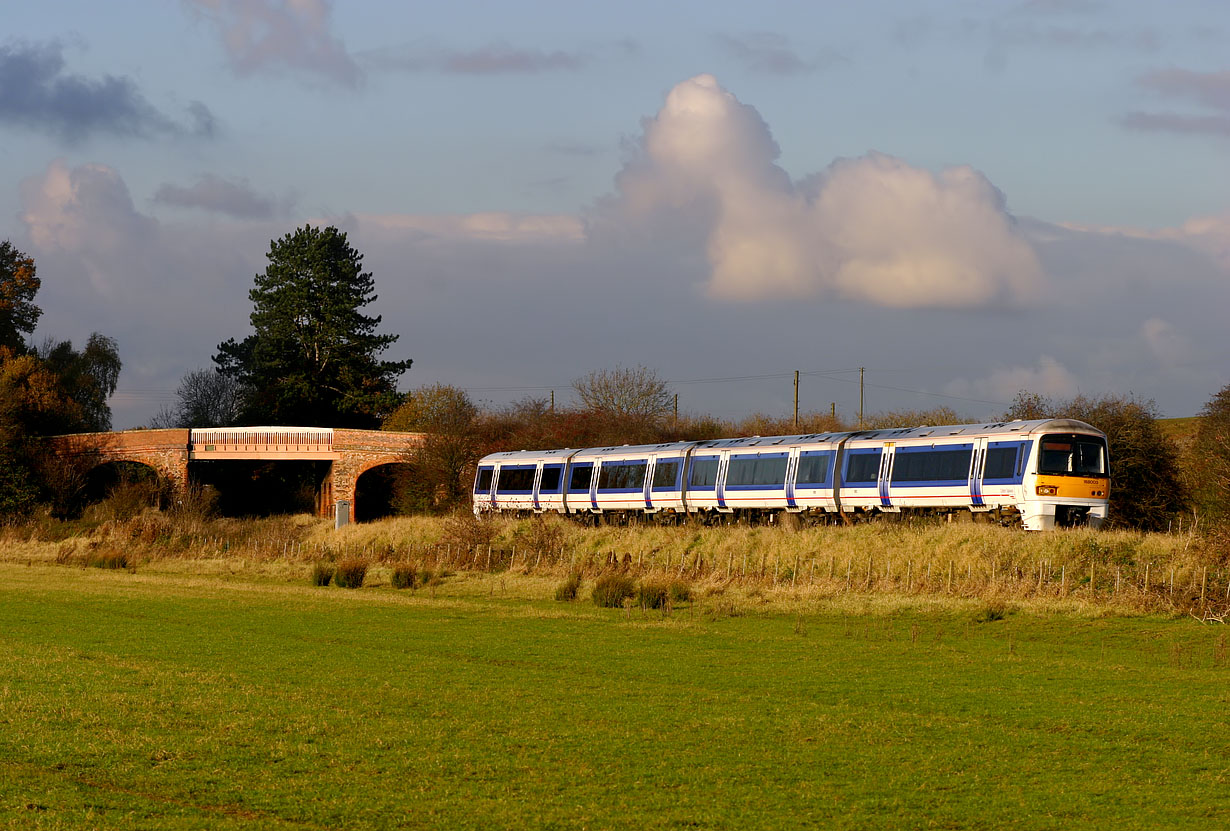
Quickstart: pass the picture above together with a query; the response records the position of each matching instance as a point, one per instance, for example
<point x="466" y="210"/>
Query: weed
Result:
<point x="404" y="576"/>
<point x="993" y="611"/>
<point x="322" y="574"/>
<point x="351" y="572"/>
<point x="651" y="594"/>
<point x="567" y="591"/>
<point x="109" y="559"/>
<point x="680" y="592"/>
<point x="611" y="590"/>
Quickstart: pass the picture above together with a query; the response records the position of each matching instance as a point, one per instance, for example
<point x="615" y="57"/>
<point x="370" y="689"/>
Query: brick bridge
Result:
<point x="351" y="453"/>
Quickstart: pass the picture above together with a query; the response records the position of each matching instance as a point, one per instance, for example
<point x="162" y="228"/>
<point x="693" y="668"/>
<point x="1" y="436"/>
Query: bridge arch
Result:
<point x="350" y="453"/>
<point x="377" y="489"/>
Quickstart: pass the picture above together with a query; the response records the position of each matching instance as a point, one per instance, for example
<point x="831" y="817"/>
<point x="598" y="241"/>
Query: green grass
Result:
<point x="163" y="700"/>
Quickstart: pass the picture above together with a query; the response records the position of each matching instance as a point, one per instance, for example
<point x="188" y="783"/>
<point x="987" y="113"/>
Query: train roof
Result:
<point x="992" y="428"/>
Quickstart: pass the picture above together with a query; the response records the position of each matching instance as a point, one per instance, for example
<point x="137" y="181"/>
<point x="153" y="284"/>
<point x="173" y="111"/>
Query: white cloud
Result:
<point x="873" y="229"/>
<point x="264" y="35"/>
<point x="484" y="227"/>
<point x="1168" y="345"/>
<point x="85" y="211"/>
<point x="1048" y="377"/>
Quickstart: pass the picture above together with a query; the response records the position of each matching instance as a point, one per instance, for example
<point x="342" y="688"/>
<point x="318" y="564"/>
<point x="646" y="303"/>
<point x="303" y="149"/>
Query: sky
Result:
<point x="964" y="199"/>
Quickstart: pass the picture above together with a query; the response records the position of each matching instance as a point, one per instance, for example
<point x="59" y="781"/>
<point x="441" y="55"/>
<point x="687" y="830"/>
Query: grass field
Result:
<point x="170" y="699"/>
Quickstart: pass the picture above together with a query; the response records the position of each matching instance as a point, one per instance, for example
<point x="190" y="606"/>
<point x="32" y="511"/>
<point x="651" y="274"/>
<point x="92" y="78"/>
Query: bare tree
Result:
<point x="204" y="398"/>
<point x="636" y="393"/>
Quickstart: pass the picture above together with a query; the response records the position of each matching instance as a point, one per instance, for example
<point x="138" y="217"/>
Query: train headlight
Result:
<point x="1047" y="490"/>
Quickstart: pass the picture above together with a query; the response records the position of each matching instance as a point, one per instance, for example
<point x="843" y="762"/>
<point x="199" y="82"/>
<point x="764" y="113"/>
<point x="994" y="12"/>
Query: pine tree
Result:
<point x="312" y="360"/>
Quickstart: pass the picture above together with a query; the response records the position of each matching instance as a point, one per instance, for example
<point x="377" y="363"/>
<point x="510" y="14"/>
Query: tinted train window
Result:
<point x="942" y="465"/>
<point x="483" y="484"/>
<point x="550" y="479"/>
<point x="703" y="474"/>
<point x="1001" y="463"/>
<point x="622" y="476"/>
<point x="863" y="467"/>
<point x="753" y="471"/>
<point x="813" y="470"/>
<point x="1072" y="455"/>
<point x="580" y="478"/>
<point x="516" y="480"/>
<point x="666" y="474"/>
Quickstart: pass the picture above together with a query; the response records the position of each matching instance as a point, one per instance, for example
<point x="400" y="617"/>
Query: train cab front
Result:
<point x="1072" y="484"/>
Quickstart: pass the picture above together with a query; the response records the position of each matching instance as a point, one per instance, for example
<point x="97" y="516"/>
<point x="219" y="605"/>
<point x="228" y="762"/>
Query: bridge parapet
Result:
<point x="261" y="443"/>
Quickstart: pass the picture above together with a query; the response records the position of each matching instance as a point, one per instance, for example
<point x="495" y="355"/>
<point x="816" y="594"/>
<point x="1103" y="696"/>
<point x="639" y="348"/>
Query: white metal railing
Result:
<point x="262" y="439"/>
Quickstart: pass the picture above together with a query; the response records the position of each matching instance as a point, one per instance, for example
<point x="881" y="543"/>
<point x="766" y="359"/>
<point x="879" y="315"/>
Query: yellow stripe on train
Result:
<point x="1072" y="487"/>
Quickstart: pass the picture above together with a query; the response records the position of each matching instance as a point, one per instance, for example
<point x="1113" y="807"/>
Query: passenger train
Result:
<point x="1040" y="474"/>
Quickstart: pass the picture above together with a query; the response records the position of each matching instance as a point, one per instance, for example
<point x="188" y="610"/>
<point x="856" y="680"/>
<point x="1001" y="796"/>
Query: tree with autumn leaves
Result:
<point x="47" y="389"/>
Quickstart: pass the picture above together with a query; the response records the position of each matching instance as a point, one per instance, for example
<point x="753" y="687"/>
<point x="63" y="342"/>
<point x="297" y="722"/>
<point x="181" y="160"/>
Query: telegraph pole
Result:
<point x="796" y="399"/>
<point x="552" y="402"/>
<point x="860" y="397"/>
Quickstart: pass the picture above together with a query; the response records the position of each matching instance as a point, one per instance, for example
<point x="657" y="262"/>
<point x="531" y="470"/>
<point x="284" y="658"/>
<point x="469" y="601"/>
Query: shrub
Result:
<point x="611" y="590"/>
<point x="993" y="611"/>
<point x="652" y="595"/>
<point x="404" y="576"/>
<point x="681" y="592"/>
<point x="351" y="573"/>
<point x="567" y="591"/>
<point x="322" y="574"/>
<point x="108" y="559"/>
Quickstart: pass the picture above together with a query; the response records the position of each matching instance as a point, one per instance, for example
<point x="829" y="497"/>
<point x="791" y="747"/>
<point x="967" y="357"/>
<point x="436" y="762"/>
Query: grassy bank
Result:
<point x="174" y="699"/>
<point x="1090" y="572"/>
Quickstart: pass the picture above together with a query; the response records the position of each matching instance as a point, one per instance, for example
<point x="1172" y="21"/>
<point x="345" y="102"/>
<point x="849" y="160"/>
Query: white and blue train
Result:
<point x="1040" y="474"/>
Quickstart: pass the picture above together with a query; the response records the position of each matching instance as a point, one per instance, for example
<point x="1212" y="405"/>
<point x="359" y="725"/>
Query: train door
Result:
<point x="537" y="485"/>
<point x="720" y="485"/>
<point x="976" y="469"/>
<point x="792" y="469"/>
<point x="886" y="476"/>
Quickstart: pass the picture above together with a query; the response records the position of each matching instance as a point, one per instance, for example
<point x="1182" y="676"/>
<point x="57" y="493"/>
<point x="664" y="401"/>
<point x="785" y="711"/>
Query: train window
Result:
<point x="483" y="483"/>
<point x="813" y="469"/>
<point x="1072" y="455"/>
<point x="666" y="475"/>
<point x="1001" y="462"/>
<point x="756" y="471"/>
<point x="550" y="479"/>
<point x="703" y="473"/>
<point x="518" y="479"/>
<point x="940" y="465"/>
<point x="622" y="476"/>
<point x="863" y="467"/>
<point x="581" y="476"/>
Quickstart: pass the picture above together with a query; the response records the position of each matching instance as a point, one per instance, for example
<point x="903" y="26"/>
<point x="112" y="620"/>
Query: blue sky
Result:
<point x="968" y="199"/>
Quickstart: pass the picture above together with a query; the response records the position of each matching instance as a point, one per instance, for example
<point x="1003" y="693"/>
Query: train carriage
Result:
<point x="1040" y="474"/>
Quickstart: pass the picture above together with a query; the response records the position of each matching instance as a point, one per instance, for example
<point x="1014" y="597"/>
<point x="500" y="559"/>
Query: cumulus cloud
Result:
<point x="1048" y="377"/>
<point x="213" y="193"/>
<point x="491" y="59"/>
<point x="1168" y="345"/>
<point x="872" y="229"/>
<point x="264" y="35"/>
<point x="1210" y="90"/>
<point x="1208" y="235"/>
<point x="38" y="92"/>
<point x="85" y="210"/>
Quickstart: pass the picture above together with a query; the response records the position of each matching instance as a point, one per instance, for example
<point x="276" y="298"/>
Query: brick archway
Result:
<point x="350" y="452"/>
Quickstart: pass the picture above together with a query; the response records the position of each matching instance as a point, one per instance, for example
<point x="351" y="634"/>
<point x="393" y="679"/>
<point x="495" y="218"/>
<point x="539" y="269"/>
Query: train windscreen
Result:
<point x="1072" y="455"/>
